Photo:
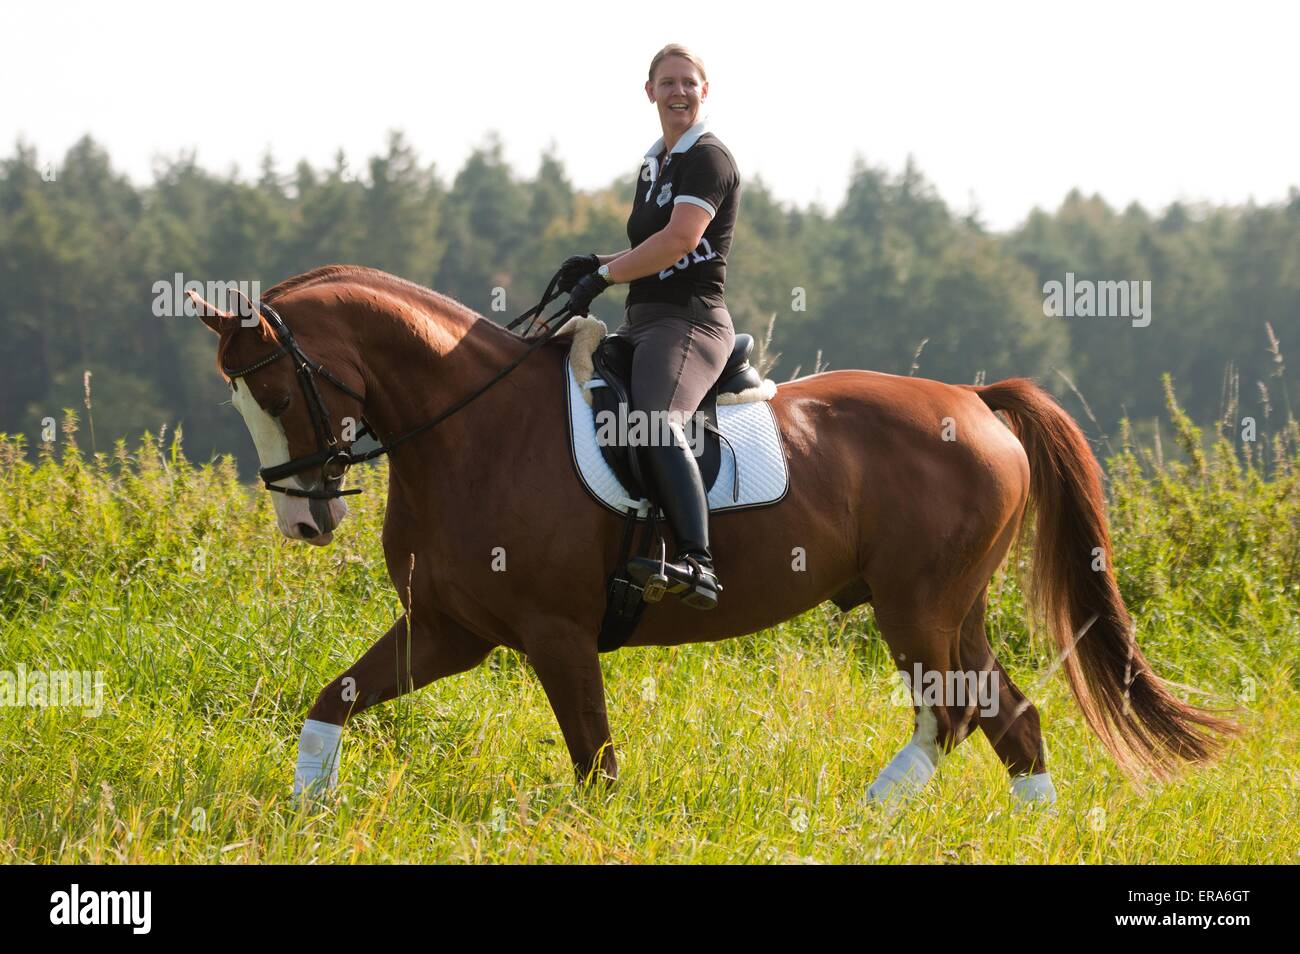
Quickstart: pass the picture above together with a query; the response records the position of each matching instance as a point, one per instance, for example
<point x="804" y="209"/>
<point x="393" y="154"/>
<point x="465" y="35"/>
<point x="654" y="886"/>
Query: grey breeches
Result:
<point x="680" y="352"/>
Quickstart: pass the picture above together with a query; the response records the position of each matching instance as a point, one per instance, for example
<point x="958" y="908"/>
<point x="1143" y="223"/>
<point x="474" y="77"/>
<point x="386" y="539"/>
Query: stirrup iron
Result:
<point x="657" y="584"/>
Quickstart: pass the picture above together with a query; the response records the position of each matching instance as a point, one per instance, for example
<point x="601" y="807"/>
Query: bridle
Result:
<point x="332" y="456"/>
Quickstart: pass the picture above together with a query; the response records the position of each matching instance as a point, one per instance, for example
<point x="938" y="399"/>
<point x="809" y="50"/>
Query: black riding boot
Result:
<point x="676" y="475"/>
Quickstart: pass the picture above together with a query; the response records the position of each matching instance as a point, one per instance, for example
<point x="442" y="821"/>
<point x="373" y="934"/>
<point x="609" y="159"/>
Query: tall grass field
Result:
<point x="211" y="636"/>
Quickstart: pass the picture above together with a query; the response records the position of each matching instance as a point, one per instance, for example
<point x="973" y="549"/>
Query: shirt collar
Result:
<point x="687" y="140"/>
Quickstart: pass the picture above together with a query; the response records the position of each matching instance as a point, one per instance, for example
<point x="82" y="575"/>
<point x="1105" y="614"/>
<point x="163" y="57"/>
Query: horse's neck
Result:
<point x="421" y="366"/>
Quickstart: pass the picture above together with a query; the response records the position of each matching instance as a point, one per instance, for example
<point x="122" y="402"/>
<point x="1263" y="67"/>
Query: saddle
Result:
<point x="610" y="390"/>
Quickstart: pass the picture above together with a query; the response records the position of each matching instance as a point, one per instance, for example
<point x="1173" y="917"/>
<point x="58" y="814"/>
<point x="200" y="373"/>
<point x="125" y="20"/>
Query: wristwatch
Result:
<point x="603" y="272"/>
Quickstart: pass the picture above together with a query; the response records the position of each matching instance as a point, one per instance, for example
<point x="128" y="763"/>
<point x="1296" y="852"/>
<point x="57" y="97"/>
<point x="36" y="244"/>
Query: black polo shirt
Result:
<point x="701" y="171"/>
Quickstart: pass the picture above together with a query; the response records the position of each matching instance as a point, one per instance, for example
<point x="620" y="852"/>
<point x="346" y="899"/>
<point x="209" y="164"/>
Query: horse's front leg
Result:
<point x="568" y="667"/>
<point x="399" y="662"/>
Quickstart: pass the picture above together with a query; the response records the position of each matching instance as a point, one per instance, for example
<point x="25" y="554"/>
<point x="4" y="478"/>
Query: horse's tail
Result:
<point x="1072" y="586"/>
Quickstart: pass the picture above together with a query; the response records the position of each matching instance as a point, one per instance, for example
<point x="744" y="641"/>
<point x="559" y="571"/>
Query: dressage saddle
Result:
<point x="610" y="388"/>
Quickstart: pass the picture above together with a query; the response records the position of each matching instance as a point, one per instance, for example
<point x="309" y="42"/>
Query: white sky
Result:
<point x="1004" y="105"/>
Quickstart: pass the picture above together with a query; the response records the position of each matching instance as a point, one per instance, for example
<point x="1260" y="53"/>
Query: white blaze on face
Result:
<point x="273" y="449"/>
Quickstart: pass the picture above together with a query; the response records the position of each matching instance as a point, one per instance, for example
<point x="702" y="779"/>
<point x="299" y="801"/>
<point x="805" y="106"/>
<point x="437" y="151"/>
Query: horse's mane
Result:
<point x="373" y="277"/>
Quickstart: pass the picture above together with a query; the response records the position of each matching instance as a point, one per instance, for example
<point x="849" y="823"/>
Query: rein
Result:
<point x="332" y="457"/>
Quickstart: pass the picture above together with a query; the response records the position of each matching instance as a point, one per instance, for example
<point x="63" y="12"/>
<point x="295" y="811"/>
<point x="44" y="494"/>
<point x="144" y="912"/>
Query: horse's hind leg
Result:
<point x="1007" y="718"/>
<point x="437" y="647"/>
<point x="925" y="649"/>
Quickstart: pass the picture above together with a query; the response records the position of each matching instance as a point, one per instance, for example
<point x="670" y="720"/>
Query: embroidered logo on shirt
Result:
<point x="665" y="194"/>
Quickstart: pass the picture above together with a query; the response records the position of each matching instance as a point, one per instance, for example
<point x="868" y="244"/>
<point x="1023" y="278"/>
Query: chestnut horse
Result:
<point x="904" y="492"/>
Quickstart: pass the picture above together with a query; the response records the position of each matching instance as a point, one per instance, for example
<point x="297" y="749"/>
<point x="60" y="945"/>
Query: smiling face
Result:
<point x="274" y="409"/>
<point x="678" y="91"/>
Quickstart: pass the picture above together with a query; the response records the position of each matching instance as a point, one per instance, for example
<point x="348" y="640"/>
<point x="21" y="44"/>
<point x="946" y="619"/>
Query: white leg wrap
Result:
<point x="1034" y="789"/>
<point x="318" y="757"/>
<point x="912" y="767"/>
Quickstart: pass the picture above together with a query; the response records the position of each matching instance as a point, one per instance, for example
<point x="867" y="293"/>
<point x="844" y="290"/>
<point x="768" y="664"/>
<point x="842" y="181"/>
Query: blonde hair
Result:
<point x="676" y="49"/>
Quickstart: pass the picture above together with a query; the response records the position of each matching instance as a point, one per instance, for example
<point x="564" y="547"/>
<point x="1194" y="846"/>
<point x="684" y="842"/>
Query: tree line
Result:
<point x="892" y="280"/>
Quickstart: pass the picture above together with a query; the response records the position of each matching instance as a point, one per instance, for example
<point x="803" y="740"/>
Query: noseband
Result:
<point x="333" y="457"/>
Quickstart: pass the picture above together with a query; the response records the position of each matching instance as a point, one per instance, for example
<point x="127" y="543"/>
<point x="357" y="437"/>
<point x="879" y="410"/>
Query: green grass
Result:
<point x="214" y="635"/>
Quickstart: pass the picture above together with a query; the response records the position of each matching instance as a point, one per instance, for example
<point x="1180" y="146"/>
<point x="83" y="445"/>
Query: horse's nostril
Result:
<point x="307" y="530"/>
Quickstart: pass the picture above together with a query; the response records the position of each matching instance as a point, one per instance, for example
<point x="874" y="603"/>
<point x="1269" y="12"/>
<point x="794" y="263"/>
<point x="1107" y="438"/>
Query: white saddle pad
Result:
<point x="751" y="429"/>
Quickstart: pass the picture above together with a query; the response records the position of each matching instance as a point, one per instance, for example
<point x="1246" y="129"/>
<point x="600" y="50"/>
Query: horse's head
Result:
<point x="301" y="399"/>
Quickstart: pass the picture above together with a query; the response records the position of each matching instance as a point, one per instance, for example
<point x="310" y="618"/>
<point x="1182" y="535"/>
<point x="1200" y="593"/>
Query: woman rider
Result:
<point x="683" y="214"/>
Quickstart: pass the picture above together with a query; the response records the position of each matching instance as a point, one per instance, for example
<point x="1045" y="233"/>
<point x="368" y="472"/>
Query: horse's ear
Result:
<point x="210" y="314"/>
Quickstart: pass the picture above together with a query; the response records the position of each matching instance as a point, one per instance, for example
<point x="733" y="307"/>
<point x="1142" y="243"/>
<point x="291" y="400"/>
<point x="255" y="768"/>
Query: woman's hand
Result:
<point x="588" y="287"/>
<point x="576" y="267"/>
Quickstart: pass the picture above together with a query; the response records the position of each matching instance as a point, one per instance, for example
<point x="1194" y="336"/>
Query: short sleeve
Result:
<point x="706" y="179"/>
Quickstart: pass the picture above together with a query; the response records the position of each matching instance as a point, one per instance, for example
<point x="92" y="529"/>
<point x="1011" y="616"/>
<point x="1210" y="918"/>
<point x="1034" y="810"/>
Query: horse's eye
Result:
<point x="280" y="406"/>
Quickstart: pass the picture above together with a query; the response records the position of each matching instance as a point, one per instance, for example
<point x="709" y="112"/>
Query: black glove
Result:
<point x="588" y="287"/>
<point x="574" y="268"/>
